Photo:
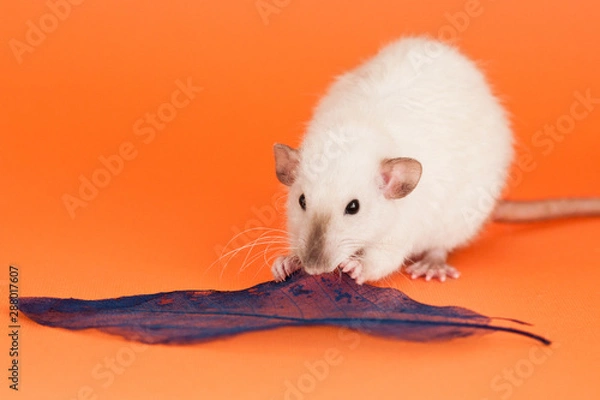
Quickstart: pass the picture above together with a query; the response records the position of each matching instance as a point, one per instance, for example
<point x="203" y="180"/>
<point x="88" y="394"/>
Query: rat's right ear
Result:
<point x="287" y="161"/>
<point x="400" y="176"/>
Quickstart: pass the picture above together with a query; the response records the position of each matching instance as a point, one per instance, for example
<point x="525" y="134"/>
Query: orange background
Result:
<point x="76" y="95"/>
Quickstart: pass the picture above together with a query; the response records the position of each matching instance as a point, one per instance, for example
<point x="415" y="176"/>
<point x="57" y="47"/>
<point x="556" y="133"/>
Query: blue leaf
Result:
<point x="302" y="300"/>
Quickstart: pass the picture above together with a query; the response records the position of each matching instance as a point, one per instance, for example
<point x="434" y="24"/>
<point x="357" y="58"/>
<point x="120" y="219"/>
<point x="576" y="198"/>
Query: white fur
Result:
<point x="416" y="98"/>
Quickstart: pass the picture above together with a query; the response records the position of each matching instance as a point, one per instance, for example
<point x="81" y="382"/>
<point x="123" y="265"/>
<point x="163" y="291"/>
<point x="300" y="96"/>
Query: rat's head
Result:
<point x="336" y="213"/>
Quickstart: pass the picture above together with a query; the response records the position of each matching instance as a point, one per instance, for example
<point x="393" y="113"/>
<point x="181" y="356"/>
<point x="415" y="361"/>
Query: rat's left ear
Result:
<point x="400" y="176"/>
<point x="287" y="160"/>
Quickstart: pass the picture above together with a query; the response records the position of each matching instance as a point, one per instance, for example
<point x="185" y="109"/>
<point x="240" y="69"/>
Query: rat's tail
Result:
<point x="528" y="211"/>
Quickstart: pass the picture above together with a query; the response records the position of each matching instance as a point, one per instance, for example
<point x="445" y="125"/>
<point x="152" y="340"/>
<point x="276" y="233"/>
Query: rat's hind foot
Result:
<point x="284" y="266"/>
<point x="354" y="268"/>
<point x="433" y="265"/>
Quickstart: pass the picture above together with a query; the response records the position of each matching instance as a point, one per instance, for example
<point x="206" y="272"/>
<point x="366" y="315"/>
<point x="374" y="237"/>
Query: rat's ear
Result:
<point x="287" y="160"/>
<point x="400" y="176"/>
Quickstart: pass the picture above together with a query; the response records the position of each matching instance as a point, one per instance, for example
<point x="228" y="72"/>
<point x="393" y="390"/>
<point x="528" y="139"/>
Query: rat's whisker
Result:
<point x="263" y="239"/>
<point x="258" y="241"/>
<point x="262" y="254"/>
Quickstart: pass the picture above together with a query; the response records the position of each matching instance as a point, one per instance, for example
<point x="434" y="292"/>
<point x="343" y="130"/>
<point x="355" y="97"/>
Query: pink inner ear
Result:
<point x="287" y="160"/>
<point x="400" y="176"/>
<point x="386" y="175"/>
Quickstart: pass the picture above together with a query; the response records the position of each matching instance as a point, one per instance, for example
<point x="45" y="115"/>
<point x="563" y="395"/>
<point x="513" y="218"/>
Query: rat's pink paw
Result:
<point x="354" y="268"/>
<point x="432" y="269"/>
<point x="284" y="266"/>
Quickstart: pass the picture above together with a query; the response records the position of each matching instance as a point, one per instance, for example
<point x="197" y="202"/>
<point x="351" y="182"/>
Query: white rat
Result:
<point x="404" y="160"/>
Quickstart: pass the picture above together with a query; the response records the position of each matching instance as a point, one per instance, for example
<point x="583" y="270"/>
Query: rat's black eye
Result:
<point x="352" y="207"/>
<point x="302" y="201"/>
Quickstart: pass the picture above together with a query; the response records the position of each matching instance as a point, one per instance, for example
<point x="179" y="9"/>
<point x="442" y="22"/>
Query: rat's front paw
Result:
<point x="354" y="268"/>
<point x="284" y="266"/>
<point x="433" y="265"/>
<point x="432" y="269"/>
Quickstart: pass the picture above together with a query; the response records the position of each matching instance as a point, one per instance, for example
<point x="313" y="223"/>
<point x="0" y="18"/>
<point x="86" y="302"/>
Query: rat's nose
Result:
<point x="314" y="256"/>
